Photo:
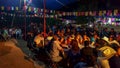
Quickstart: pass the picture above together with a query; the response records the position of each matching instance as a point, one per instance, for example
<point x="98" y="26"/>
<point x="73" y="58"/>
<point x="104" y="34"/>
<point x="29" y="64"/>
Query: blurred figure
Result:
<point x="79" y="40"/>
<point x="105" y="32"/>
<point x="39" y="40"/>
<point x="93" y="40"/>
<point x="73" y="54"/>
<point x="105" y="52"/>
<point x="112" y="40"/>
<point x="118" y="38"/>
<point x="88" y="54"/>
<point x="55" y="49"/>
<point x="85" y="38"/>
<point x="112" y="32"/>
<point x="115" y="60"/>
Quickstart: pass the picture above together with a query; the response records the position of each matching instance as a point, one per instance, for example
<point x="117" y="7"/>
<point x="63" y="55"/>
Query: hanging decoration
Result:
<point x="16" y="8"/>
<point x="2" y="7"/>
<point x="54" y="14"/>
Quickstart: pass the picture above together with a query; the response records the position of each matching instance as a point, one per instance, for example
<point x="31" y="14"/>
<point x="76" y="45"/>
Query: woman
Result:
<point x="73" y="54"/>
<point x="79" y="40"/>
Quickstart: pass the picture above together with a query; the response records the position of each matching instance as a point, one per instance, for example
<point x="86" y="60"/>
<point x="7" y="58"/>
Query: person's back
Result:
<point x="39" y="40"/>
<point x="88" y="54"/>
<point x="73" y="56"/>
<point x="55" y="50"/>
<point x="87" y="51"/>
<point x="115" y="60"/>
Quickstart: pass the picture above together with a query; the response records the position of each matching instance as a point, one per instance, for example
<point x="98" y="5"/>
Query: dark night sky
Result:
<point x="66" y="4"/>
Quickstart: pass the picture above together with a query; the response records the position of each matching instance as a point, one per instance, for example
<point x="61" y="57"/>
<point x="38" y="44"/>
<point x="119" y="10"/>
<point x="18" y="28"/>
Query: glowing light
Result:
<point x="113" y="23"/>
<point x="90" y="25"/>
<point x="109" y="21"/>
<point x="12" y="8"/>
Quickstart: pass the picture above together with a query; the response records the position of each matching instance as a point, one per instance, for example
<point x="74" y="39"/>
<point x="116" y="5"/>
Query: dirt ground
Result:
<point x="14" y="54"/>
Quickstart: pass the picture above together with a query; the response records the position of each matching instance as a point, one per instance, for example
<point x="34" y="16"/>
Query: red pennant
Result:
<point x="8" y="8"/>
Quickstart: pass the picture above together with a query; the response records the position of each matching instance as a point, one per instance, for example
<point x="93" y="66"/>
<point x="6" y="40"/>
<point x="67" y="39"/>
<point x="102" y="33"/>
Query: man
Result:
<point x="39" y="40"/>
<point x="55" y="49"/>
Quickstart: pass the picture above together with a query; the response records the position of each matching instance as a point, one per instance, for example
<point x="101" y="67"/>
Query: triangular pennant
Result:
<point x="115" y="12"/>
<point x="8" y="8"/>
<point x="86" y="13"/>
<point x="29" y="9"/>
<point x="12" y="8"/>
<point x="17" y="8"/>
<point x="2" y="8"/>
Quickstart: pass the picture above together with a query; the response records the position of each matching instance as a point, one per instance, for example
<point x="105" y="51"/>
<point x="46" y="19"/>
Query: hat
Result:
<point x="115" y="42"/>
<point x="105" y="39"/>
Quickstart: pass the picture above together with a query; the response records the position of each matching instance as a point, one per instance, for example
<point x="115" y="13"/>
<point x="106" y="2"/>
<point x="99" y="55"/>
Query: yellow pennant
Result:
<point x="2" y="8"/>
<point x="17" y="8"/>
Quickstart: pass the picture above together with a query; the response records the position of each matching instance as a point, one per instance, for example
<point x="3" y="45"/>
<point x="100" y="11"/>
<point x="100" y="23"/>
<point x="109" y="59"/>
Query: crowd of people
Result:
<point x="79" y="47"/>
<point x="7" y="33"/>
<point x="74" y="47"/>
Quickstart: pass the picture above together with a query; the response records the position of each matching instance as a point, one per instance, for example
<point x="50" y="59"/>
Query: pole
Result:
<point x="25" y="24"/>
<point x="20" y="4"/>
<point x="25" y="18"/>
<point x="44" y="11"/>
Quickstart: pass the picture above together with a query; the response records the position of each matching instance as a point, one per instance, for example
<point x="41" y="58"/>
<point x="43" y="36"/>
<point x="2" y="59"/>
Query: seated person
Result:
<point x="88" y="54"/>
<point x="55" y="49"/>
<point x="39" y="40"/>
<point x="73" y="54"/>
<point x="114" y="62"/>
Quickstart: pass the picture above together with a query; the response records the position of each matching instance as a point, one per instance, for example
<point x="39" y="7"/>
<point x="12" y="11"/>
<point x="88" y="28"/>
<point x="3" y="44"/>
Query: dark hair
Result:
<point x="115" y="46"/>
<point x="86" y="43"/>
<point x="101" y="43"/>
<point x="74" y="45"/>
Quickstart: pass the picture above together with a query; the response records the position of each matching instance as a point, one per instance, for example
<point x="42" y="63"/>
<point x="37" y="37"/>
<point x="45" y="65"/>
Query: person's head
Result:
<point x="95" y="36"/>
<point x="50" y="33"/>
<point x="112" y="30"/>
<point x="86" y="43"/>
<point x="85" y="36"/>
<point x="111" y="38"/>
<point x="105" y="40"/>
<point x="77" y="36"/>
<point x="55" y="37"/>
<point x="100" y="43"/>
<point x="69" y="38"/>
<point x="105" y="29"/>
<point x="74" y="45"/>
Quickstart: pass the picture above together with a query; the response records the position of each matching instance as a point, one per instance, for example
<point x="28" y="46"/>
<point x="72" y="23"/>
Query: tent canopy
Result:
<point x="50" y="4"/>
<point x="65" y="4"/>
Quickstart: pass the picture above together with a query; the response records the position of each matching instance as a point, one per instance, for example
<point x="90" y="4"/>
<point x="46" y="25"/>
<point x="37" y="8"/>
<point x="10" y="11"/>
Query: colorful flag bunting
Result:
<point x="100" y="13"/>
<point x="115" y="12"/>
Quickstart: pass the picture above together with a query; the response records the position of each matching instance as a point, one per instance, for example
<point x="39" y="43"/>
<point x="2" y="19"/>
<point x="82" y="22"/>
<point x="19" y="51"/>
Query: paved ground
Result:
<point x="14" y="54"/>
